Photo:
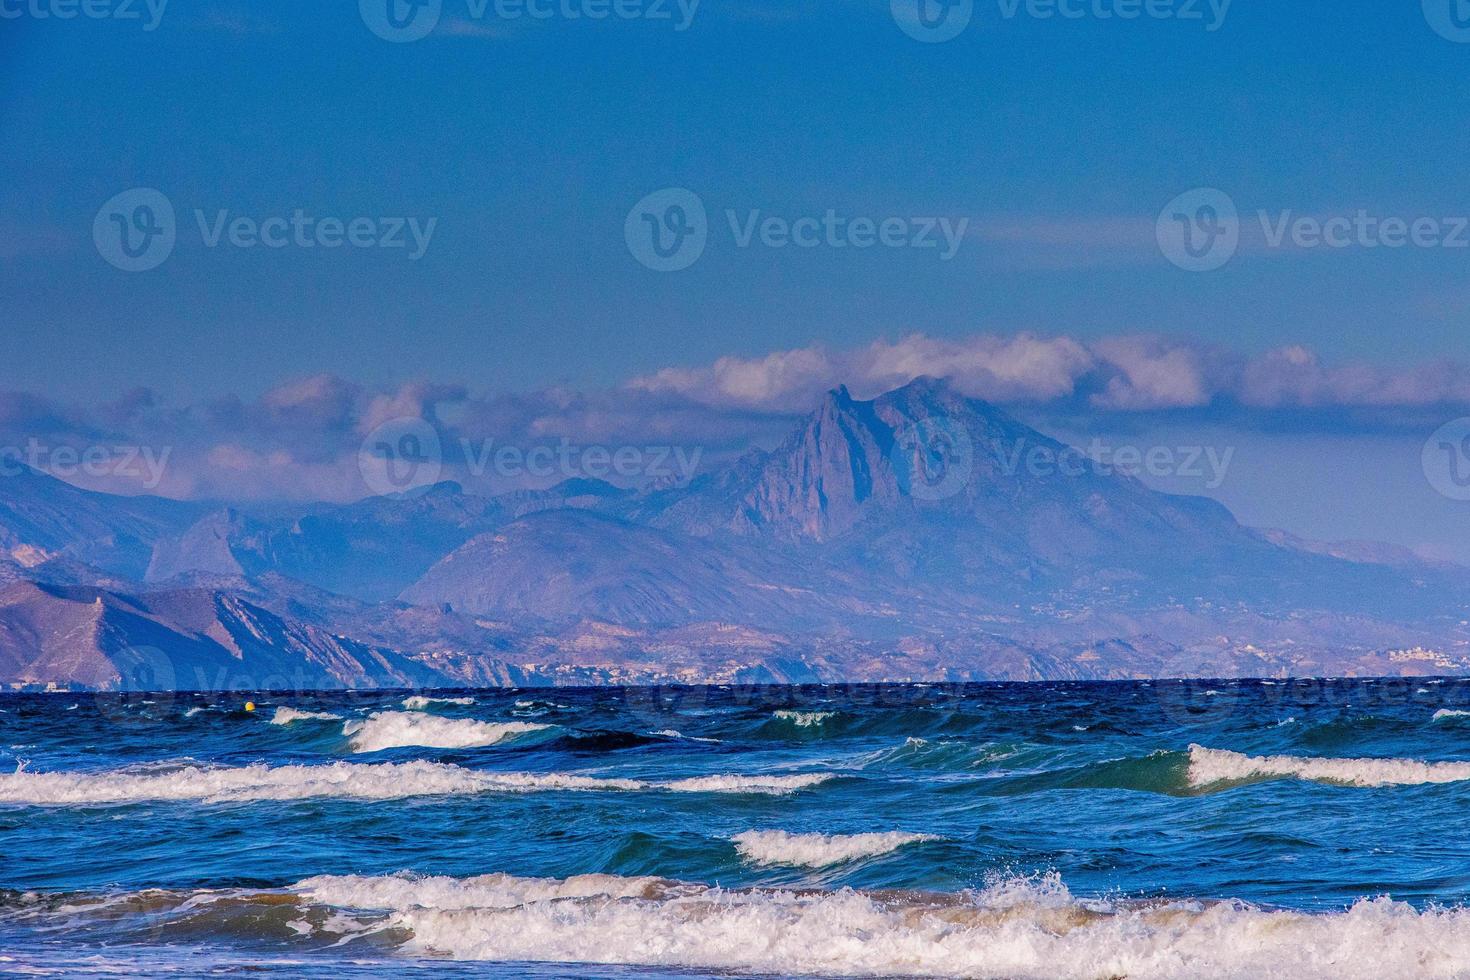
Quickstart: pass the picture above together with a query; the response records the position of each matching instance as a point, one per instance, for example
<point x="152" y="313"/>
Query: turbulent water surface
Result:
<point x="1285" y="828"/>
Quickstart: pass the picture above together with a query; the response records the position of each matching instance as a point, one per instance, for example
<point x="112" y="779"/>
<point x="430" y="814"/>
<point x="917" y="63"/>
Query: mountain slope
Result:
<point x="921" y="534"/>
<point x="193" y="640"/>
<point x="927" y="489"/>
<point x="371" y="549"/>
<point x="43" y="518"/>
<point x="565" y="565"/>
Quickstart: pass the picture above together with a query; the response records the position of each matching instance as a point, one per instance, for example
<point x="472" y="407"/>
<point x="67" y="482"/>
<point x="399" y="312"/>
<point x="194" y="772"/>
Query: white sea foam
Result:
<point x="395" y="729"/>
<point x="671" y="733"/>
<point x="1018" y="929"/>
<point x="260" y="782"/>
<point x="403" y="891"/>
<point x="804" y="719"/>
<point x="1444" y="713"/>
<point x="346" y="780"/>
<point x="418" y="702"/>
<point x="772" y="785"/>
<point x="285" y="715"/>
<point x="1208" y="766"/>
<point x="818" y="850"/>
<point x="220" y="784"/>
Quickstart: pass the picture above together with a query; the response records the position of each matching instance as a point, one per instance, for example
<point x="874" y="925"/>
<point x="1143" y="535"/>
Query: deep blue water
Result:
<point x="1061" y="829"/>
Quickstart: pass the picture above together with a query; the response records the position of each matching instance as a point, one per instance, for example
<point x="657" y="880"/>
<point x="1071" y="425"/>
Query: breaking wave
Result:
<point x="804" y="719"/>
<point x="397" y="729"/>
<point x="418" y="702"/>
<point x="672" y="733"/>
<point x="818" y="850"/>
<point x="1211" y="766"/>
<point x="345" y="780"/>
<point x="1444" y="713"/>
<point x="1020" y="928"/>
<point x="768" y="785"/>
<point x="285" y="715"/>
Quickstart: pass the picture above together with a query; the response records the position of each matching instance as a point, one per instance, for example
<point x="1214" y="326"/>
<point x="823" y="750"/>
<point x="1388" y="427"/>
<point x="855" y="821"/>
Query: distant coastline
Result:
<point x="919" y="535"/>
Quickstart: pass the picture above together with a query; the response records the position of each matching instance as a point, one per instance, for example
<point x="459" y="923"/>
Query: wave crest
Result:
<point x="819" y="850"/>
<point x="1019" y="928"/>
<point x="1210" y="766"/>
<point x="285" y="715"/>
<point x="804" y="719"/>
<point x="770" y="785"/>
<point x="397" y="729"/>
<point x="418" y="702"/>
<point x="345" y="780"/>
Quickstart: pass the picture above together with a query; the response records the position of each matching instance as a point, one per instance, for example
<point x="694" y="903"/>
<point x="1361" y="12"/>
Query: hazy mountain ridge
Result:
<point x="93" y="638"/>
<point x="907" y="537"/>
<point x="42" y="519"/>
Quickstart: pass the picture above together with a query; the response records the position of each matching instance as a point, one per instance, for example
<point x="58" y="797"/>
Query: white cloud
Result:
<point x="301" y="439"/>
<point x="1152" y="374"/>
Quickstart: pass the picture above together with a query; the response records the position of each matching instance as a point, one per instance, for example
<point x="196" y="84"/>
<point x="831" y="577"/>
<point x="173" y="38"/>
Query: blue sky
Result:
<point x="527" y="142"/>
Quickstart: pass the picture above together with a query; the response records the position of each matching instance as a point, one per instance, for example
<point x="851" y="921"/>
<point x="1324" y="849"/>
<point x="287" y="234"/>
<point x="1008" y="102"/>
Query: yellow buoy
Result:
<point x="249" y="705"/>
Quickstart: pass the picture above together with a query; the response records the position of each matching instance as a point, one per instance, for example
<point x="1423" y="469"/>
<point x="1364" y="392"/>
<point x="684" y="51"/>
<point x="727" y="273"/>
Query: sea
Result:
<point x="1292" y="828"/>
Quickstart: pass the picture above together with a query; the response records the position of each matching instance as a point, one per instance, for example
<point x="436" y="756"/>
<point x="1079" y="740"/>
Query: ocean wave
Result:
<point x="769" y="785"/>
<point x="401" y="892"/>
<point x="819" y="850"/>
<point x="285" y="715"/>
<point x="418" y="702"/>
<point x="1018" y="929"/>
<point x="1444" y="713"/>
<point x="398" y="729"/>
<point x="1203" y="771"/>
<point x="804" y="719"/>
<point x="345" y="780"/>
<point x="1211" y="766"/>
<point x="671" y="733"/>
<point x="943" y="754"/>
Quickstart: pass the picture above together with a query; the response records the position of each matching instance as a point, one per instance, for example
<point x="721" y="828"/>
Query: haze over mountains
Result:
<point x="921" y="535"/>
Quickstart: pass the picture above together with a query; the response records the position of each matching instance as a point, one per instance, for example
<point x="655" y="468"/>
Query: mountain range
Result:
<point x="921" y="535"/>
